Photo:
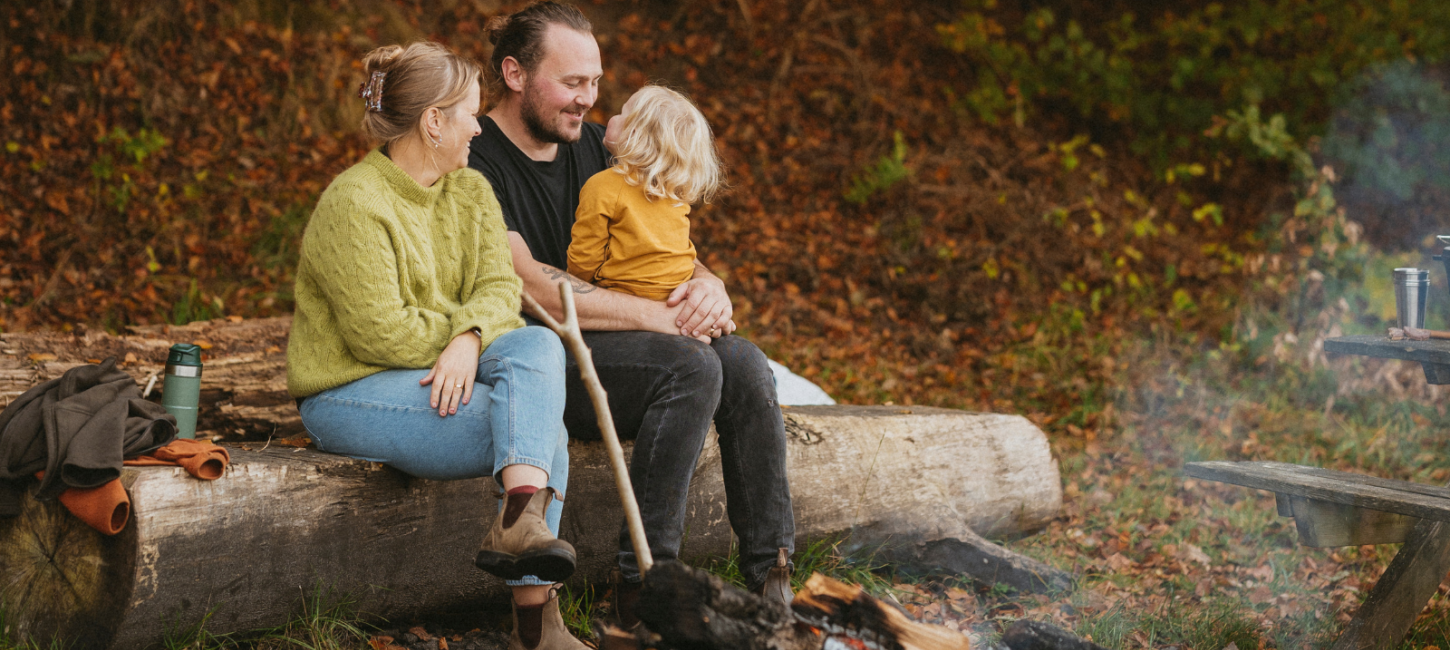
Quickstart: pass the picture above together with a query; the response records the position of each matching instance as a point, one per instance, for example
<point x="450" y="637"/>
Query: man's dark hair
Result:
<point x="521" y="35"/>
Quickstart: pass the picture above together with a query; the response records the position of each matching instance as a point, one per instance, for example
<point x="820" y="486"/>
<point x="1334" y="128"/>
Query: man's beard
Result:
<point x="540" y="129"/>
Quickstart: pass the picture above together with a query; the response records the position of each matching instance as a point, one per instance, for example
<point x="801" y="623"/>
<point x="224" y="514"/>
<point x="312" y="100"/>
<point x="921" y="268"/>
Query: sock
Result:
<point x="531" y="623"/>
<point x="518" y="499"/>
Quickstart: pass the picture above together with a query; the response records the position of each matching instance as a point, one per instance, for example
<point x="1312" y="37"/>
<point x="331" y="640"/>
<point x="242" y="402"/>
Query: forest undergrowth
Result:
<point x="1135" y="227"/>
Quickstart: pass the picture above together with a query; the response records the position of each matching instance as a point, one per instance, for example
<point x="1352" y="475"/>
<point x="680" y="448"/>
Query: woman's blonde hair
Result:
<point x="401" y="83"/>
<point x="665" y="147"/>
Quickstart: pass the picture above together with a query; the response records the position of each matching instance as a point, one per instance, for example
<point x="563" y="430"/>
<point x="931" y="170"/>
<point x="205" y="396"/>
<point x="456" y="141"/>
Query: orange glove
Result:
<point x="106" y="508"/>
<point x="203" y="460"/>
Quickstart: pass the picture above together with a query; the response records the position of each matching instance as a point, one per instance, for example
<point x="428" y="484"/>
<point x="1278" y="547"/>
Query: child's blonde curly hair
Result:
<point x="666" y="148"/>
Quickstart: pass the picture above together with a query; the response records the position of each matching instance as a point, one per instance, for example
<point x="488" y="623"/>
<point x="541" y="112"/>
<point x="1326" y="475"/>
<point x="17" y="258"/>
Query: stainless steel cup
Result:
<point x="1412" y="289"/>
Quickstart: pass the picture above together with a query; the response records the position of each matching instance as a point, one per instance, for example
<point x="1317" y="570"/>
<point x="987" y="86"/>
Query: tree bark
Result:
<point x="285" y="522"/>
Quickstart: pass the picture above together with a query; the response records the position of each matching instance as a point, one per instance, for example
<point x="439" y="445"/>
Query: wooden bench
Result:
<point x="1332" y="508"/>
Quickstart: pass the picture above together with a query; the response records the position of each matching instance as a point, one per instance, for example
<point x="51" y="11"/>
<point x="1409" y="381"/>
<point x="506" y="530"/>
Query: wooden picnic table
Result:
<point x="1333" y="508"/>
<point x="1433" y="355"/>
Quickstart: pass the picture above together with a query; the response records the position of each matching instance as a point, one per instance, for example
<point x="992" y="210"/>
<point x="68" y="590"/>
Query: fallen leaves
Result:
<point x="1191" y="553"/>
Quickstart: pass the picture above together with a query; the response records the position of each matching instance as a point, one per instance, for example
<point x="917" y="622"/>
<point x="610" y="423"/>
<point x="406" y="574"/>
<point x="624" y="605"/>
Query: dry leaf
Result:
<point x="1118" y="562"/>
<point x="42" y="356"/>
<point x="203" y="344"/>
<point x="421" y="633"/>
<point x="1261" y="594"/>
<point x="130" y="357"/>
<point x="1191" y="553"/>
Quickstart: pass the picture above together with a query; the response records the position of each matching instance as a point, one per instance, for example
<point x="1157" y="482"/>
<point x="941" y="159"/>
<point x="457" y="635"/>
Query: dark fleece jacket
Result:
<point x="77" y="428"/>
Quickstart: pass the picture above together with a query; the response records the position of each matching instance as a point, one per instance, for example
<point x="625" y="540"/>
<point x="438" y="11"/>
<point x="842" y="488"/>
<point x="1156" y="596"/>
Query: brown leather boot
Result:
<point x="541" y="627"/>
<point x="626" y="596"/>
<point x="777" y="581"/>
<point x="519" y="543"/>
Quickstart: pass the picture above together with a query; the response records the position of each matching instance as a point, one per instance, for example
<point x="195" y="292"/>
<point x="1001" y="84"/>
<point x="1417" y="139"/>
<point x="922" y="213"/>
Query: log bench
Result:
<point x="285" y="522"/>
<point x="1333" y="508"/>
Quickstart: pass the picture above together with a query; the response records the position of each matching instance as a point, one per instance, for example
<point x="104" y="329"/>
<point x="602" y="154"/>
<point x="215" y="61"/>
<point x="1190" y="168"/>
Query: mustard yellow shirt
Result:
<point x="623" y="241"/>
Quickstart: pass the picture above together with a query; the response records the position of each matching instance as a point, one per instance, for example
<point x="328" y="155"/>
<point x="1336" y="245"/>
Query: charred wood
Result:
<point x="969" y="554"/>
<point x="691" y="609"/>
<point x="1033" y="635"/>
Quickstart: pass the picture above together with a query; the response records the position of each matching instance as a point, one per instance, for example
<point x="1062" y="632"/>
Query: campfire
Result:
<point x="690" y="609"/>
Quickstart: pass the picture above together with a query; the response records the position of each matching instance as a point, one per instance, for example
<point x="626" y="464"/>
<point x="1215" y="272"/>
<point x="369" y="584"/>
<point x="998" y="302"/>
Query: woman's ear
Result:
<point x="433" y="123"/>
<point x="513" y="74"/>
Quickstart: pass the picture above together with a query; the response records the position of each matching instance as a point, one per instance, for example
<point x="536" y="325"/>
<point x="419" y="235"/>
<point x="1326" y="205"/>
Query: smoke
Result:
<point x="1390" y="141"/>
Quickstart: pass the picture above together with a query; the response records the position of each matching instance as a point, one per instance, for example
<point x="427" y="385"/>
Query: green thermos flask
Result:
<point x="182" y="388"/>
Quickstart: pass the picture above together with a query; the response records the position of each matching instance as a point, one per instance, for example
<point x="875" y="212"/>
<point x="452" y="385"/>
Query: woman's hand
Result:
<point x="452" y="376"/>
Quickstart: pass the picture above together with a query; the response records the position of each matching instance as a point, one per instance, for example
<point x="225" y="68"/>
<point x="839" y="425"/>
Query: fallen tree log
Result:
<point x="243" y="385"/>
<point x="285" y="522"/>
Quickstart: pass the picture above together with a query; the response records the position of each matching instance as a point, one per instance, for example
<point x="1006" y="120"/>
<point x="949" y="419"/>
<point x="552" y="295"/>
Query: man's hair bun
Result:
<point x="496" y="27"/>
<point x="521" y="35"/>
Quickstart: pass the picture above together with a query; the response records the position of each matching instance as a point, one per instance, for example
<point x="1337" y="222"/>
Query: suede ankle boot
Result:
<point x="541" y="627"/>
<point x="519" y="543"/>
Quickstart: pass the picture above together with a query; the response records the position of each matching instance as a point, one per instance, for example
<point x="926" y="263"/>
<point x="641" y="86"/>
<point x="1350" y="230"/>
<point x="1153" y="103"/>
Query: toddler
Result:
<point x="632" y="230"/>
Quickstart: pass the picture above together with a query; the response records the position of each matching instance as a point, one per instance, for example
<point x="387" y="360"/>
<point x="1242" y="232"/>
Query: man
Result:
<point x="669" y="367"/>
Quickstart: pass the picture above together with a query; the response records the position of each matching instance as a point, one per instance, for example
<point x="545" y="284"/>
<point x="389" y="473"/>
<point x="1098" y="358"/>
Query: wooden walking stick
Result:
<point x="574" y="339"/>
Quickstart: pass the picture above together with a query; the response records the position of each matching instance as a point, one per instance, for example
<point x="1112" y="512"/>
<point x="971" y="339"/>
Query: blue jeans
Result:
<point x="516" y="416"/>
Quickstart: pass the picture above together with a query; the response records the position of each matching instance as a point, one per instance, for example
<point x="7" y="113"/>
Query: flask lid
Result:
<point x="184" y="354"/>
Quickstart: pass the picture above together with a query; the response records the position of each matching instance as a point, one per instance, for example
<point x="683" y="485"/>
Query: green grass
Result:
<point x="326" y="622"/>
<point x="579" y="610"/>
<point x="7" y="641"/>
<point x="821" y="556"/>
<point x="1175" y="623"/>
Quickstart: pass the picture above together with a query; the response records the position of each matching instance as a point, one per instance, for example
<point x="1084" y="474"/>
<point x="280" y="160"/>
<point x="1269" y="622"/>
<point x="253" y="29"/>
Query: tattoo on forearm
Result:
<point x="578" y="285"/>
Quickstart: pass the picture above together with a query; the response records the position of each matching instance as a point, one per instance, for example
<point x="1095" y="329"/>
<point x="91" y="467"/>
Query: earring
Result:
<point x="437" y="142"/>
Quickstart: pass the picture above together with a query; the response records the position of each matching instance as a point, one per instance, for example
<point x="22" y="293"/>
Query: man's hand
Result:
<point x="452" y="376"/>
<point x="611" y="311"/>
<point x="706" y="309"/>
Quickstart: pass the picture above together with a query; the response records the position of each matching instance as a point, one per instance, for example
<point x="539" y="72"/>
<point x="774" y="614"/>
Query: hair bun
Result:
<point x="380" y="58"/>
<point x="496" y="27"/>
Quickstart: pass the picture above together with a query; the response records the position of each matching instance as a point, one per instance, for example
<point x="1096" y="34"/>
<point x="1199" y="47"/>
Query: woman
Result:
<point x="407" y="347"/>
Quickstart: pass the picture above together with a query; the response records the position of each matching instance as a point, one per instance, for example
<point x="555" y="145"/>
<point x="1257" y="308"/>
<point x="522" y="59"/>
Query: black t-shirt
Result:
<point x="539" y="198"/>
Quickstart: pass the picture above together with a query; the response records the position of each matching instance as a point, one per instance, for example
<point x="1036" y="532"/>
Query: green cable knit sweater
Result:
<point x="391" y="271"/>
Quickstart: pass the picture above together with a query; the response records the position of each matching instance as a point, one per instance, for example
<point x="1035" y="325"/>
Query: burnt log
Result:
<point x="1034" y="635"/>
<point x="690" y="609"/>
<point x="247" y="548"/>
<point x="967" y="553"/>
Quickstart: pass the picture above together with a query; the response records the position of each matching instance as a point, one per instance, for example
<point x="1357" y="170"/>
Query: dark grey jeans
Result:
<point x="664" y="390"/>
